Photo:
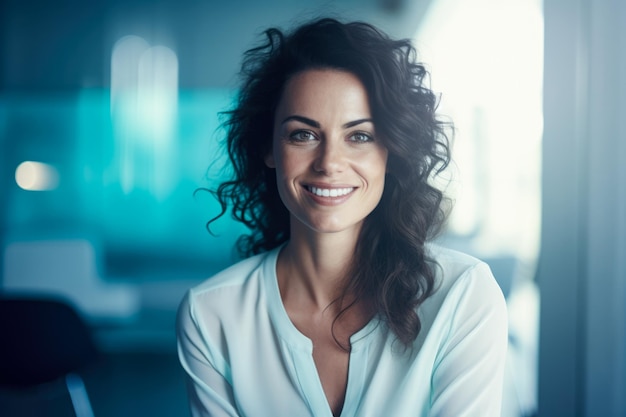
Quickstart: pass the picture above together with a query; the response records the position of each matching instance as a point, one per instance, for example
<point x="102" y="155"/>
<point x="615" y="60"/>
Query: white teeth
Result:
<point x="330" y="192"/>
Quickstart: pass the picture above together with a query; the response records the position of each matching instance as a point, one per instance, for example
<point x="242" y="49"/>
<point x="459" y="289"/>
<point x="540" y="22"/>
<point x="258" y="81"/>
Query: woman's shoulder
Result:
<point x="451" y="258"/>
<point x="228" y="294"/>
<point x="452" y="265"/>
<point x="238" y="275"/>
<point x="460" y="275"/>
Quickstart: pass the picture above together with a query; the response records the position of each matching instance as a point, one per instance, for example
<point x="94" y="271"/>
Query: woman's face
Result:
<point x="330" y="164"/>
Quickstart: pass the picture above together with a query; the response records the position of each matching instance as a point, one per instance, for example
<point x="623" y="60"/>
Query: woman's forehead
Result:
<point x="324" y="93"/>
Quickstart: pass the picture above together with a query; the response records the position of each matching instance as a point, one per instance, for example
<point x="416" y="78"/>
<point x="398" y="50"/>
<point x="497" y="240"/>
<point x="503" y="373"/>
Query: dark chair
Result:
<point x="44" y="342"/>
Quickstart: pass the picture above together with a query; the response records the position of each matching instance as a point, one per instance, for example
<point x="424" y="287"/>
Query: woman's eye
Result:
<point x="302" y="136"/>
<point x="361" y="137"/>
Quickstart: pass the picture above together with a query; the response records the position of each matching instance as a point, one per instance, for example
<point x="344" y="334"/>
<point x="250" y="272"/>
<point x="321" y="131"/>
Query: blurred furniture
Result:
<point x="44" y="344"/>
<point x="68" y="268"/>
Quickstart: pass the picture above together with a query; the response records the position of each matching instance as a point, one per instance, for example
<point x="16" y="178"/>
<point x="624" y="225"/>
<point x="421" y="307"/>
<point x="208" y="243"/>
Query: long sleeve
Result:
<point x="244" y="357"/>
<point x="210" y="392"/>
<point x="468" y="375"/>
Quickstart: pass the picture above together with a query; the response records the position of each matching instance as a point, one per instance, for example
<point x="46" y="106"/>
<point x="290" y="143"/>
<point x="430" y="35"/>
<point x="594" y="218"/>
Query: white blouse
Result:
<point x="244" y="357"/>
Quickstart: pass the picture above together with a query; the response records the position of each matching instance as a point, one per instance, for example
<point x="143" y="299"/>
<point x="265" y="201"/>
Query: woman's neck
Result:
<point x="313" y="267"/>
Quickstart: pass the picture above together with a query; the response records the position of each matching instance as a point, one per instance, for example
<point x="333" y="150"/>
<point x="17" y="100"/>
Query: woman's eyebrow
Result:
<point x="315" y="124"/>
<point x="302" y="119"/>
<point x="357" y="122"/>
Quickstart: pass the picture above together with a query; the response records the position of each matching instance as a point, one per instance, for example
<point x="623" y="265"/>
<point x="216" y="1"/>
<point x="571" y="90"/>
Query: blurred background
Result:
<point x="109" y="123"/>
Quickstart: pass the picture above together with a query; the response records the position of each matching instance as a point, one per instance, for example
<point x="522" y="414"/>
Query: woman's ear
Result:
<point x="269" y="159"/>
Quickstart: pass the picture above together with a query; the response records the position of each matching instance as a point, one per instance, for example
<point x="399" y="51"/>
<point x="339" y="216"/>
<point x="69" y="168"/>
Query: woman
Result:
<point x="344" y="308"/>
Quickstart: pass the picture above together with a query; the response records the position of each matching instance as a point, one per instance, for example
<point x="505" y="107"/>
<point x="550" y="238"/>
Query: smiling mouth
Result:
<point x="329" y="192"/>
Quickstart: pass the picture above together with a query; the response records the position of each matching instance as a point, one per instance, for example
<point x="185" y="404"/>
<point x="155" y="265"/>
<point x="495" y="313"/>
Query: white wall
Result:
<point x="582" y="273"/>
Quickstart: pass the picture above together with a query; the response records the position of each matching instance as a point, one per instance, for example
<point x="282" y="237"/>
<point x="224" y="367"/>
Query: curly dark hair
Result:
<point x="390" y="269"/>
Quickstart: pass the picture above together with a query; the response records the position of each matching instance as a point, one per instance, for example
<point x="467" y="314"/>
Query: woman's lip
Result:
<point x="327" y="186"/>
<point x="329" y="200"/>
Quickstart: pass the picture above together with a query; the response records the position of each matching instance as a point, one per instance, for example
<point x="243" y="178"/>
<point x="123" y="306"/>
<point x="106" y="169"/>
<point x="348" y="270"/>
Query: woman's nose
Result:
<point x="330" y="158"/>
